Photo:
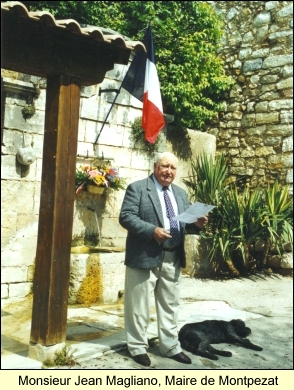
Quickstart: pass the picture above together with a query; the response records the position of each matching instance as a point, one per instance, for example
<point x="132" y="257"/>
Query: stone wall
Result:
<point x="254" y="130"/>
<point x="255" y="127"/>
<point x="95" y="216"/>
<point x="20" y="185"/>
<point x="96" y="277"/>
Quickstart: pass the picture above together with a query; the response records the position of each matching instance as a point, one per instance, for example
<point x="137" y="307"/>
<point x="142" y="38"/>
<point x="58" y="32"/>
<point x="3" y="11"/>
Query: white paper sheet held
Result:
<point x="196" y="210"/>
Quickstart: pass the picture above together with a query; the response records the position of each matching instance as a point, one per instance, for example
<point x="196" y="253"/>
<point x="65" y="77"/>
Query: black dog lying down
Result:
<point x="197" y="337"/>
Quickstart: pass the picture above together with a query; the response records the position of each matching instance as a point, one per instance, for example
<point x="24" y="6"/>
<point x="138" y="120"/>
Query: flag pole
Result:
<point x="103" y="124"/>
<point x="112" y="104"/>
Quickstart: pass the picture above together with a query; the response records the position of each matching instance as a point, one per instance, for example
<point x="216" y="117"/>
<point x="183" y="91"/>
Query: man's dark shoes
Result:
<point x="142" y="359"/>
<point x="181" y="358"/>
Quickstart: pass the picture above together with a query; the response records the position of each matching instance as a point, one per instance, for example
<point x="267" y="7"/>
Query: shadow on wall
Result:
<point x="88" y="218"/>
<point x="180" y="142"/>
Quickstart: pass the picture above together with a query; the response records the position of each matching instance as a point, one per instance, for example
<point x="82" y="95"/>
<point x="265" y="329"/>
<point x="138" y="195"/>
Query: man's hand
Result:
<point x="161" y="235"/>
<point x="201" y="222"/>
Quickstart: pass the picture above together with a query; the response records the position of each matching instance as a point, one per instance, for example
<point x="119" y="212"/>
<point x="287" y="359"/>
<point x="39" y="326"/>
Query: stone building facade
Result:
<point x="255" y="128"/>
<point x="98" y="240"/>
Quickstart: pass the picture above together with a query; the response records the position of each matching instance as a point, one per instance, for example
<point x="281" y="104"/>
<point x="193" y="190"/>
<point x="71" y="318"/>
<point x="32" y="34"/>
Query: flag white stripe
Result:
<point x="152" y="86"/>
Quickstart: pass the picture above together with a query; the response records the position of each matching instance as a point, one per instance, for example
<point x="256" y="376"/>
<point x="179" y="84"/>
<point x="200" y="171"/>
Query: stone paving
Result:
<point x="96" y="337"/>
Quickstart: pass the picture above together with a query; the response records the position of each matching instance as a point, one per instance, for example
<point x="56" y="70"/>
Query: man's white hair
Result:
<point x="165" y="155"/>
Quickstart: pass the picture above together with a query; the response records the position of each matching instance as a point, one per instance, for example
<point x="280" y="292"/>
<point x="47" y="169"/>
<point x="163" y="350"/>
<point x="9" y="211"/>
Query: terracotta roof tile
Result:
<point x="73" y="26"/>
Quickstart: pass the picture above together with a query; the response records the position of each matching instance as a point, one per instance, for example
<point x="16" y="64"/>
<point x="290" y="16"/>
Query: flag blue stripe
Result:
<point x="148" y="43"/>
<point x="133" y="81"/>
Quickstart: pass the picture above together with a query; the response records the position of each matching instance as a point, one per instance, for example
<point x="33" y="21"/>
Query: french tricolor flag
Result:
<point x="142" y="82"/>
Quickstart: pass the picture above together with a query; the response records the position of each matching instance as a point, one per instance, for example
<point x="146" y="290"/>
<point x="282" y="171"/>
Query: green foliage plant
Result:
<point x="137" y="135"/>
<point x="29" y="109"/>
<point x="187" y="36"/>
<point x="239" y="226"/>
<point x="64" y="357"/>
<point x="277" y="218"/>
<point x="241" y="218"/>
<point x="208" y="174"/>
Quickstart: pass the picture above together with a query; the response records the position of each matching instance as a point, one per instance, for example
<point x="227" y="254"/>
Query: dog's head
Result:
<point x="241" y="329"/>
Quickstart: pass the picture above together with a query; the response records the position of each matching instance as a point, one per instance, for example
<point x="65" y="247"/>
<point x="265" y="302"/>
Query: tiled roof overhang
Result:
<point x="37" y="44"/>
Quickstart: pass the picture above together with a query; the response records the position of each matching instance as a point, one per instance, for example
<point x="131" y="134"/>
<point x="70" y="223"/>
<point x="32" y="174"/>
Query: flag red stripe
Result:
<point x="152" y="120"/>
<point x="142" y="82"/>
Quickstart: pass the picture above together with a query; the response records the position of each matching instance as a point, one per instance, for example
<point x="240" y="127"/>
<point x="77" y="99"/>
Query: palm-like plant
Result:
<point x="277" y="219"/>
<point x="208" y="175"/>
<point x="207" y="183"/>
<point x="241" y="213"/>
<point x="242" y="216"/>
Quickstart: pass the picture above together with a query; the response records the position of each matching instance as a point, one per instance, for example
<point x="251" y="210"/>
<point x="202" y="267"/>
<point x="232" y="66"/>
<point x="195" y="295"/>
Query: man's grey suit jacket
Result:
<point x="140" y="214"/>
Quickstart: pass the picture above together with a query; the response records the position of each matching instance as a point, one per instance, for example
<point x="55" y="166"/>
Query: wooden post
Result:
<point x="51" y="281"/>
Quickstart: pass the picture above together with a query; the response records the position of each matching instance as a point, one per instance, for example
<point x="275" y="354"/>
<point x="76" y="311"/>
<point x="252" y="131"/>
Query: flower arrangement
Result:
<point x="100" y="176"/>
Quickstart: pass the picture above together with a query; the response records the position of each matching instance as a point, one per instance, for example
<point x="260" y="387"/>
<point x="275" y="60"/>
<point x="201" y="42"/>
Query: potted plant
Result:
<point x="95" y="179"/>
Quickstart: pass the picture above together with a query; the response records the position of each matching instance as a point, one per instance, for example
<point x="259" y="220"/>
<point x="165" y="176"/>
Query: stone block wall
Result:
<point x="255" y="128"/>
<point x="95" y="216"/>
<point x="20" y="186"/>
<point x="102" y="286"/>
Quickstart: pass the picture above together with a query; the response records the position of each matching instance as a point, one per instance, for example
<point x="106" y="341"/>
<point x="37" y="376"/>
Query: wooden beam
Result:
<point x="52" y="266"/>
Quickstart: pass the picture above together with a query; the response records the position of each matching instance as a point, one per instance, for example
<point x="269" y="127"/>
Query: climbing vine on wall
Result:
<point x="29" y="109"/>
<point x="137" y="135"/>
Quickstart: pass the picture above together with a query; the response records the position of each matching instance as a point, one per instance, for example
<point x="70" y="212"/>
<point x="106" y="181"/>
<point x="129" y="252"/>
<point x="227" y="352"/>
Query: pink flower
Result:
<point x="113" y="171"/>
<point x="93" y="173"/>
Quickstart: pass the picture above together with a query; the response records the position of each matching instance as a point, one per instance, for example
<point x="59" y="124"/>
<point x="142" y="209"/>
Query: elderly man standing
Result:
<point x="154" y="257"/>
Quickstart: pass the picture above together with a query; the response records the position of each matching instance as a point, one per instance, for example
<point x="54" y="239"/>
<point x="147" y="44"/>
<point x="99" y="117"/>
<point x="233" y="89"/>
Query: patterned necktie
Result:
<point x="174" y="230"/>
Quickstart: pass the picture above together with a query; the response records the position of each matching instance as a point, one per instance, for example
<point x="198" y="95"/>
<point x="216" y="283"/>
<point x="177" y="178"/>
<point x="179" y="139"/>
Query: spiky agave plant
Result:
<point x="207" y="176"/>
<point x="207" y="184"/>
<point x="242" y="216"/>
<point x="277" y="218"/>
